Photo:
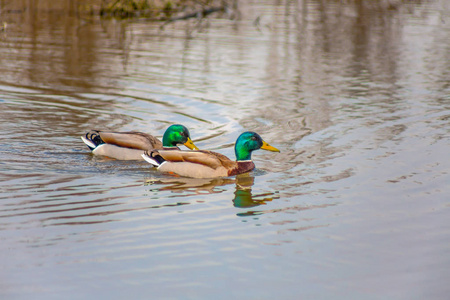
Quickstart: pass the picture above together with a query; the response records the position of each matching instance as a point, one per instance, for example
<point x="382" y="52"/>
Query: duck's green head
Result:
<point x="249" y="141"/>
<point x="178" y="134"/>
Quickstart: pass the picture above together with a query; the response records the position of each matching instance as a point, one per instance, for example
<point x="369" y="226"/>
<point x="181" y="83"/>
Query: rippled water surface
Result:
<point x="356" y="205"/>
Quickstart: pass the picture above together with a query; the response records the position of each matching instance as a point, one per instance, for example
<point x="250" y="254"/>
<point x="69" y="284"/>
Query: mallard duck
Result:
<point x="209" y="164"/>
<point x="131" y="145"/>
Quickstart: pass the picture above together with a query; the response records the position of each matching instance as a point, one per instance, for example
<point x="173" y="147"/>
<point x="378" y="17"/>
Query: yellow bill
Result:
<point x="190" y="144"/>
<point x="266" y="146"/>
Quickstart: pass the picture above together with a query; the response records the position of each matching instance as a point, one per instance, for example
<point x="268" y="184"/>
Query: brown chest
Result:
<point x="242" y="167"/>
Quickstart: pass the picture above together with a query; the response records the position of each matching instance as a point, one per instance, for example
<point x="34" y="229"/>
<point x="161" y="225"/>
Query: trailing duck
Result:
<point x="131" y="145"/>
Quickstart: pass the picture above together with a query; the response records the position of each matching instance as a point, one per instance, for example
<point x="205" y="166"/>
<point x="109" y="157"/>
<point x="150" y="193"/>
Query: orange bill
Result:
<point x="266" y="146"/>
<point x="190" y="144"/>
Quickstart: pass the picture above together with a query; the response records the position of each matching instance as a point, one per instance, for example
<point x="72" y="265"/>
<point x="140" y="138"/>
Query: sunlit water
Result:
<point x="356" y="205"/>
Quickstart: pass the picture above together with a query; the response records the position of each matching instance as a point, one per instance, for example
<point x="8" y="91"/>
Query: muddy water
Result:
<point x="356" y="205"/>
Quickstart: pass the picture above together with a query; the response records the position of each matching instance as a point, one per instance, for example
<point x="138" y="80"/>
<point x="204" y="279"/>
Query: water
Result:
<point x="356" y="206"/>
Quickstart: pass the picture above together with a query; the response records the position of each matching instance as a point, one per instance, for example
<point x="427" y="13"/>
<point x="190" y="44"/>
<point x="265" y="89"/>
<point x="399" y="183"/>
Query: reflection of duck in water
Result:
<point x="242" y="195"/>
<point x="131" y="145"/>
<point x="198" y="185"/>
<point x="209" y="164"/>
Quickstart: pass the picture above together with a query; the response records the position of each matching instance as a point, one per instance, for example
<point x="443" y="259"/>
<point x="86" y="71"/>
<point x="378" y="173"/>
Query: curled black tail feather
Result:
<point x="94" y="137"/>
<point x="153" y="158"/>
<point x="156" y="156"/>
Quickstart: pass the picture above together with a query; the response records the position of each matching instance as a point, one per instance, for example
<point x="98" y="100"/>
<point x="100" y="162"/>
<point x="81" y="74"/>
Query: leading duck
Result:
<point x="209" y="164"/>
<point x="131" y="145"/>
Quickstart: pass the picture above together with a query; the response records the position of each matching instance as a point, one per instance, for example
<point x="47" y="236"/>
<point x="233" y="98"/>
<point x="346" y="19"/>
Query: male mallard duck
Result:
<point x="209" y="164"/>
<point x="131" y="145"/>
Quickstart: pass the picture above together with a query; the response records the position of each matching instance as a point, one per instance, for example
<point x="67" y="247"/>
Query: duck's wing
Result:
<point x="210" y="159"/>
<point x="131" y="139"/>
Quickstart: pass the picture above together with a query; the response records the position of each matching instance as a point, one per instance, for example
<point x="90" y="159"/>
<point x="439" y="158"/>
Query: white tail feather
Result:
<point x="88" y="143"/>
<point x="150" y="160"/>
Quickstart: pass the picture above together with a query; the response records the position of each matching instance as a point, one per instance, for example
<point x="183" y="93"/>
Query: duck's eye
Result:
<point x="253" y="138"/>
<point x="182" y="134"/>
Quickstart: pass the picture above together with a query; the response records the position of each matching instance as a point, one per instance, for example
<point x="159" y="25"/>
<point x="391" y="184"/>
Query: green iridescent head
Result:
<point x="249" y="141"/>
<point x="178" y="134"/>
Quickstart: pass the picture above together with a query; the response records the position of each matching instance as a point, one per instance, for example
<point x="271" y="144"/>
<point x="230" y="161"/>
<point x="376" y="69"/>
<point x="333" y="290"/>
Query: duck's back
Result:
<point x="131" y="139"/>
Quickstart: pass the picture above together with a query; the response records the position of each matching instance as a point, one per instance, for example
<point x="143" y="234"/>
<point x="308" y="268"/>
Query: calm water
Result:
<point x="356" y="206"/>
